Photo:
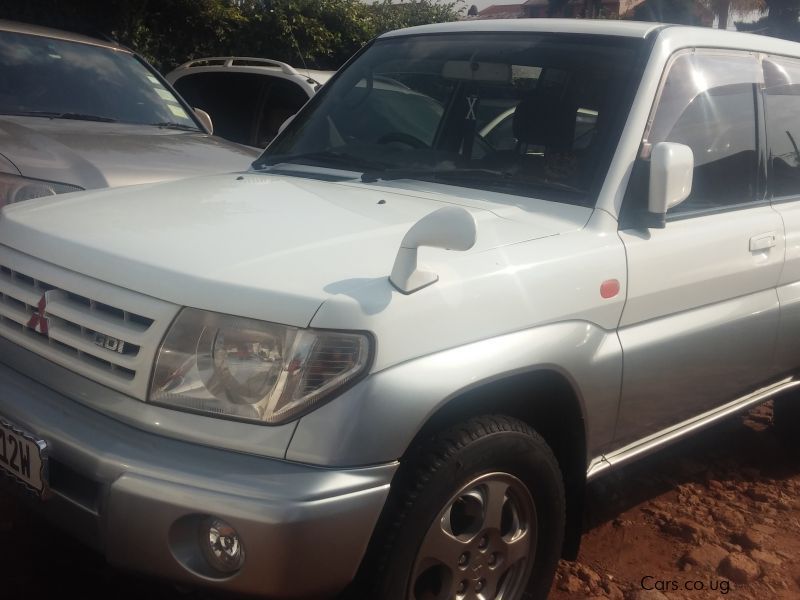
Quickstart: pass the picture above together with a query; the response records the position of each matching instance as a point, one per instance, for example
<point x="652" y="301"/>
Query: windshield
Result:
<point x="529" y="114"/>
<point x="45" y="77"/>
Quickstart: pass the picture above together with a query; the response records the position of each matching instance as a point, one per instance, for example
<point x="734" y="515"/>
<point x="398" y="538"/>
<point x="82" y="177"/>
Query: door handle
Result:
<point x="763" y="241"/>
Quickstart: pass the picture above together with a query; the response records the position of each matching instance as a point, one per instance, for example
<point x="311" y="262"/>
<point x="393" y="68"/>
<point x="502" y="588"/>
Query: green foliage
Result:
<point x="323" y="33"/>
<point x="386" y="15"/>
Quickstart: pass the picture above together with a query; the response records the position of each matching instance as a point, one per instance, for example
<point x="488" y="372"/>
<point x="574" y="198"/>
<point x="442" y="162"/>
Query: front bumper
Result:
<point x="136" y="496"/>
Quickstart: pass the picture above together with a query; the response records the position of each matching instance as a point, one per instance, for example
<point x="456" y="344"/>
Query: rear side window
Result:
<point x="283" y="99"/>
<point x="782" y="104"/>
<point x="231" y="99"/>
<point x="708" y="102"/>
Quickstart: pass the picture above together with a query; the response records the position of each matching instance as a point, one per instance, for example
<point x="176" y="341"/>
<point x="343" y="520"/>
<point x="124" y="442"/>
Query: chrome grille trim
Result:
<point x="80" y="312"/>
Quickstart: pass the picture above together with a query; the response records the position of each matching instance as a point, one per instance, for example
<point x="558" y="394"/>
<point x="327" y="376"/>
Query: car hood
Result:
<point x="96" y="155"/>
<point x="262" y="246"/>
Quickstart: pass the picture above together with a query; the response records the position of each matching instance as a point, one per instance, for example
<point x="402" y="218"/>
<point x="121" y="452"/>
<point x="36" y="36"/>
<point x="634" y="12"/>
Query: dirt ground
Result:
<point x="718" y="515"/>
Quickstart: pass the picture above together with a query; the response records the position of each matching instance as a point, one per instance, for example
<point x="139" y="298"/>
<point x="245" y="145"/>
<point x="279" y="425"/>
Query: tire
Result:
<point x="479" y="513"/>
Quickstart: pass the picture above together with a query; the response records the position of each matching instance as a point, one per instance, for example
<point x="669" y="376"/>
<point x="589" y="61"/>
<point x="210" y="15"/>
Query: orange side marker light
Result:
<point x="609" y="288"/>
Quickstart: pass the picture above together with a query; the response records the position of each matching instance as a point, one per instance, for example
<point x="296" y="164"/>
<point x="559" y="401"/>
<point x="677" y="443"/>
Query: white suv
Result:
<point x="248" y="98"/>
<point x="394" y="352"/>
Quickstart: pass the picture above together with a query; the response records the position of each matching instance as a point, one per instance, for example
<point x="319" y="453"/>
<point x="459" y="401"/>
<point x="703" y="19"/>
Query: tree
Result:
<point x="780" y="21"/>
<point x="555" y="8"/>
<point x="722" y="9"/>
<point x="473" y="11"/>
<point x="782" y="18"/>
<point x="388" y="15"/>
<point x="322" y="33"/>
<point x="164" y="31"/>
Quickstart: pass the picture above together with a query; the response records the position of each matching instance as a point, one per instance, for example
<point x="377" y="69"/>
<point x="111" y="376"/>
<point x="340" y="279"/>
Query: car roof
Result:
<point x="598" y="27"/>
<point x="249" y="64"/>
<point x="672" y="36"/>
<point x="318" y="76"/>
<point x="58" y="34"/>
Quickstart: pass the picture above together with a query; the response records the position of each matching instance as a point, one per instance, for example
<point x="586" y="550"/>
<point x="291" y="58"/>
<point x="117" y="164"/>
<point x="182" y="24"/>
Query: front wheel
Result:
<point x="480" y="515"/>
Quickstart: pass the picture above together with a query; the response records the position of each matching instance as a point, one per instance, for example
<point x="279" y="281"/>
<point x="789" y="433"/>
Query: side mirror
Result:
<point x="285" y="124"/>
<point x="671" y="173"/>
<point x="205" y="119"/>
<point x="451" y="228"/>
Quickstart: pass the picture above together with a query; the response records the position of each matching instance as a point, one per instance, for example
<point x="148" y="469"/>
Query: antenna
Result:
<point x="294" y="40"/>
<point x="297" y="47"/>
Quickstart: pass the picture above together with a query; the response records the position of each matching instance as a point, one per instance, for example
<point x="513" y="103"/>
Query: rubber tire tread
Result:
<point x="464" y="451"/>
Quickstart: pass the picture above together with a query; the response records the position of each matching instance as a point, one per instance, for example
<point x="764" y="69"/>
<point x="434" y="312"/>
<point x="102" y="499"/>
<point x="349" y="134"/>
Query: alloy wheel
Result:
<point x="481" y="546"/>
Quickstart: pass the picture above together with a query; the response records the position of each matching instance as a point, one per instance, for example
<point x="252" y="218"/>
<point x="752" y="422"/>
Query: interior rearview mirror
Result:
<point x="205" y="119"/>
<point x="474" y="70"/>
<point x="671" y="172"/>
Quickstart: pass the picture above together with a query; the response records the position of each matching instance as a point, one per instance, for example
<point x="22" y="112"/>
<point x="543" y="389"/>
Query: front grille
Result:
<point x="106" y="333"/>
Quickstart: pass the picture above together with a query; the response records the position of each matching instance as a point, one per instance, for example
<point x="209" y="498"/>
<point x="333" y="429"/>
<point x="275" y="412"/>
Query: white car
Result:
<point x="248" y="98"/>
<point x="390" y="356"/>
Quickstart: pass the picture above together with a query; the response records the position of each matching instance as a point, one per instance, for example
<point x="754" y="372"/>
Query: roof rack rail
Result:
<point x="231" y="61"/>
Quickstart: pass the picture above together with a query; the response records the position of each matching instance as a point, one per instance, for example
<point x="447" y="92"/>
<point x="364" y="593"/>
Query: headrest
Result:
<point x="546" y="120"/>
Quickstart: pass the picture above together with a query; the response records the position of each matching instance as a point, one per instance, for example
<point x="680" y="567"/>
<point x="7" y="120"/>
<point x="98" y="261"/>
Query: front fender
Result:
<point x="376" y="420"/>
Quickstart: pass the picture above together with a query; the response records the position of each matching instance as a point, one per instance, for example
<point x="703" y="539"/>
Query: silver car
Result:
<point x="81" y="113"/>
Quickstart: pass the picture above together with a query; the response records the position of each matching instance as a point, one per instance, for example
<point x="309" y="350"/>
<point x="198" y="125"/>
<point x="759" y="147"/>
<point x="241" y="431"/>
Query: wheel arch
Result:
<point x="548" y="400"/>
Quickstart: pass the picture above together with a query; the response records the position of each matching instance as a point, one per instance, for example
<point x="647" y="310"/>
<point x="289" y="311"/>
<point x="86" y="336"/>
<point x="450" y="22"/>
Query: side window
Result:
<point x="782" y="104"/>
<point x="708" y="102"/>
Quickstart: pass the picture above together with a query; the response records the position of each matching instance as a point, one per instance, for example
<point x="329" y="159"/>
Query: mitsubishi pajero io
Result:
<point x="390" y="356"/>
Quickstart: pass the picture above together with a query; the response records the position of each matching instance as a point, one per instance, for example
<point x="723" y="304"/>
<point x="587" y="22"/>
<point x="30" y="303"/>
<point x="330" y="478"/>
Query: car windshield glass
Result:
<point x="51" y="78"/>
<point x="528" y="114"/>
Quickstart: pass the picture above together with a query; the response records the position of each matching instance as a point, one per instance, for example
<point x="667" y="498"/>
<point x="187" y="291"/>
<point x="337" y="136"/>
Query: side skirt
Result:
<point x="651" y="443"/>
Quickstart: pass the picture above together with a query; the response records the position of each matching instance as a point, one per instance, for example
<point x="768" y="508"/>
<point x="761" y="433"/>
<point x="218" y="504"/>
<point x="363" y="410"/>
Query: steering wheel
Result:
<point x="402" y="138"/>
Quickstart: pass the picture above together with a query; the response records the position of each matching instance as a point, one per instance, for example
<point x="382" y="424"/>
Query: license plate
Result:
<point x="23" y="457"/>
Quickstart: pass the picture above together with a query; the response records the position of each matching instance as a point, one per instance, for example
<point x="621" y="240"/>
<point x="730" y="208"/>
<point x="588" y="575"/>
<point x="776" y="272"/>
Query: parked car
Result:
<point x="248" y="98"/>
<point x="391" y="359"/>
<point x="82" y="113"/>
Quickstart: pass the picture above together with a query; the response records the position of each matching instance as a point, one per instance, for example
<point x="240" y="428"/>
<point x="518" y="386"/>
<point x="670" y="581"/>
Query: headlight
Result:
<point x="241" y="368"/>
<point x="14" y="188"/>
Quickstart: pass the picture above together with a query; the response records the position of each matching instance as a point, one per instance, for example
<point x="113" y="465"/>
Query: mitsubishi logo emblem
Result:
<point x="38" y="322"/>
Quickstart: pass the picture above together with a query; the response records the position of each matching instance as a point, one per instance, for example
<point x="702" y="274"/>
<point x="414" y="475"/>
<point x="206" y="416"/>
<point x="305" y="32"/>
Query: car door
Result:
<point x="782" y="108"/>
<point x="699" y="325"/>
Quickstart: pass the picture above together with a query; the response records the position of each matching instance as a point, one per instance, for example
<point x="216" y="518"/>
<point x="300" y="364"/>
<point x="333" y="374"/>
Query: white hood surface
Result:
<point x="263" y="246"/>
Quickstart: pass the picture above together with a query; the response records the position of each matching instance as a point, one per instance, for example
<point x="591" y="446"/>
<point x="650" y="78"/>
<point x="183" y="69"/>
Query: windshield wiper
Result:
<point x="173" y="125"/>
<point x="62" y="115"/>
<point x="487" y="176"/>
<point x="327" y="158"/>
<point x="465" y="174"/>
